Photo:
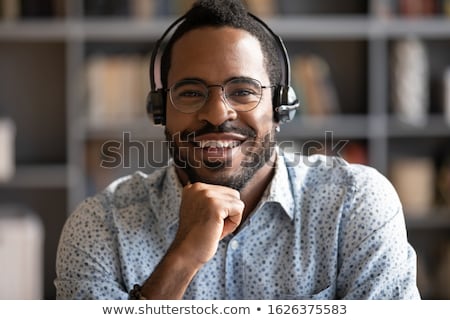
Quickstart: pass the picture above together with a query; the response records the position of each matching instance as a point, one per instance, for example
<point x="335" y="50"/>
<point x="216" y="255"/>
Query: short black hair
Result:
<point x="225" y="13"/>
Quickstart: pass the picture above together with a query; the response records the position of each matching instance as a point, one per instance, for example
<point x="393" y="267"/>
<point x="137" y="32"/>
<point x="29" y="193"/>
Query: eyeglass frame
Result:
<point x="222" y="86"/>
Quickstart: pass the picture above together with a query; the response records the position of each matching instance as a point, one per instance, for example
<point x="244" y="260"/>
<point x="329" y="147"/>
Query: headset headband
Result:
<point x="156" y="50"/>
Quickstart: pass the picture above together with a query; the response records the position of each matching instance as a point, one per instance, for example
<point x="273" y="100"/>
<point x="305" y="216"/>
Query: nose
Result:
<point x="216" y="109"/>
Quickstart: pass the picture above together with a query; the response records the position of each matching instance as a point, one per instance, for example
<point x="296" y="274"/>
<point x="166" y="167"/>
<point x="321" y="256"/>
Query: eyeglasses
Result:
<point x="241" y="94"/>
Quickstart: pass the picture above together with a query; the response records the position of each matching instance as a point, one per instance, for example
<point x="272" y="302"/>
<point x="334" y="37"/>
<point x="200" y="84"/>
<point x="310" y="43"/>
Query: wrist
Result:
<point x="184" y="258"/>
<point x="169" y="280"/>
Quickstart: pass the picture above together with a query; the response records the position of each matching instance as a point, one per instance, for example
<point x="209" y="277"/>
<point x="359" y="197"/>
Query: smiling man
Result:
<point x="230" y="217"/>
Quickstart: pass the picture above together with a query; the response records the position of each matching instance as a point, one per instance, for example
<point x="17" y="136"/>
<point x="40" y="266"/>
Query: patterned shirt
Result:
<point x="324" y="229"/>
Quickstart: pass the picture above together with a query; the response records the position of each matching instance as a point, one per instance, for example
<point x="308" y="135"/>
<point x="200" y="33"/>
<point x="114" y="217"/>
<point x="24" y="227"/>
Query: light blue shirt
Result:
<point x="324" y="229"/>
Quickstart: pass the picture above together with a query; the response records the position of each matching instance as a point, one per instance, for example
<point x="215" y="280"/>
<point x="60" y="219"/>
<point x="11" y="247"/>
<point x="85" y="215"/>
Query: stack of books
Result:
<point x="117" y="86"/>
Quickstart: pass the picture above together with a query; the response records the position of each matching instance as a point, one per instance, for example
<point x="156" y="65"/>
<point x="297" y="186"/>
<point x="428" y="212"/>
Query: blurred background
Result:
<point x="373" y="78"/>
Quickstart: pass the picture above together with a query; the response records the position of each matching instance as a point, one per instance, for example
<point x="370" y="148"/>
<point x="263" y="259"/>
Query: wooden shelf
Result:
<point x="289" y="28"/>
<point x="38" y="176"/>
<point x="434" y="219"/>
<point x="302" y="127"/>
<point x="299" y="128"/>
<point x="435" y="127"/>
<point x="343" y="126"/>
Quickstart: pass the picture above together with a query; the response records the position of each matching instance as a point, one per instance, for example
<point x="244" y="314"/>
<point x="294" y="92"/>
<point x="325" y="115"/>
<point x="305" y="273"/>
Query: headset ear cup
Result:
<point x="156" y="106"/>
<point x="285" y="104"/>
<point x="290" y="97"/>
<point x="276" y="102"/>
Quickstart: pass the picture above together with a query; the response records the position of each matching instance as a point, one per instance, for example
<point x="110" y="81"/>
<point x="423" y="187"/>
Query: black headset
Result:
<point x="285" y="101"/>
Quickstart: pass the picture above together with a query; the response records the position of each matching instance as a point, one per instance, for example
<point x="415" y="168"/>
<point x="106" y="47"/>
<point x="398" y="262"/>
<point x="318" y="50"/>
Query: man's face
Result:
<point x="217" y="144"/>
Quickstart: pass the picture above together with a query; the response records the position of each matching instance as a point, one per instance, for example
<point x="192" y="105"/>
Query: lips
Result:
<point x="219" y="141"/>
<point x="217" y="147"/>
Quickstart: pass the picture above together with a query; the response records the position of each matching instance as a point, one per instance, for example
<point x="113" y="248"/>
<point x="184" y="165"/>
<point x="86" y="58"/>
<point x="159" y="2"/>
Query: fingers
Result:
<point x="208" y="213"/>
<point x="233" y="220"/>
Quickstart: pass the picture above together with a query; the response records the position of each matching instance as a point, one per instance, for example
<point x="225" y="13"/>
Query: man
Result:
<point x="231" y="218"/>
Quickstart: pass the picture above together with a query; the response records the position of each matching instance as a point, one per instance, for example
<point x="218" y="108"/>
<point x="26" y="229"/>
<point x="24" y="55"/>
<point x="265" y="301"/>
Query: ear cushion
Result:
<point x="285" y="104"/>
<point x="156" y="106"/>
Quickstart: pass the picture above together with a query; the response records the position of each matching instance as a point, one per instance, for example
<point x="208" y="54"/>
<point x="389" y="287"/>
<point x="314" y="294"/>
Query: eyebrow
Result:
<point x="203" y="81"/>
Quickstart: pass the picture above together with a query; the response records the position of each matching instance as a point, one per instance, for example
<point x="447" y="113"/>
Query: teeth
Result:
<point x="217" y="144"/>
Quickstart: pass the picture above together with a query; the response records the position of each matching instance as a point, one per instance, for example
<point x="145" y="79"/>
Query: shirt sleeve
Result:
<point x="375" y="260"/>
<point x="87" y="265"/>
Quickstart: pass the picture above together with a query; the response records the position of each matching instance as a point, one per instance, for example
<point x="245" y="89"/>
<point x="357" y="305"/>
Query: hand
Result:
<point x="208" y="213"/>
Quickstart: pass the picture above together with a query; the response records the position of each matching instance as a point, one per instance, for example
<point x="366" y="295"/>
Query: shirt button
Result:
<point x="234" y="244"/>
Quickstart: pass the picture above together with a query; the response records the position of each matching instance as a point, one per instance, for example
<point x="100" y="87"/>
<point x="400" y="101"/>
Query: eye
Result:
<point x="242" y="92"/>
<point x="189" y="90"/>
<point x="190" y="93"/>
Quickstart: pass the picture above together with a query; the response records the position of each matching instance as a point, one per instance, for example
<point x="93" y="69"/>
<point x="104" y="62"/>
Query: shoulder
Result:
<point x="334" y="171"/>
<point x="128" y="191"/>
<point x="132" y="189"/>
<point x="349" y="188"/>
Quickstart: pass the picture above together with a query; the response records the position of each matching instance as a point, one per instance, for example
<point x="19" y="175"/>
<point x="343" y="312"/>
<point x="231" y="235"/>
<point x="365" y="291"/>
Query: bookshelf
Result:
<point x="57" y="143"/>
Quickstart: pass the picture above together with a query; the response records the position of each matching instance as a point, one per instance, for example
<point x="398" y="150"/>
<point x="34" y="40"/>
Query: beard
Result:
<point x="257" y="152"/>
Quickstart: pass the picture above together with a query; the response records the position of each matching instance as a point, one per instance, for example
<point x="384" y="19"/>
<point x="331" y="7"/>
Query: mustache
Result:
<point x="225" y="127"/>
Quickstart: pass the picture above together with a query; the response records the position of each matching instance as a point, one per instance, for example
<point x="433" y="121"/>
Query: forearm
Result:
<point x="170" y="278"/>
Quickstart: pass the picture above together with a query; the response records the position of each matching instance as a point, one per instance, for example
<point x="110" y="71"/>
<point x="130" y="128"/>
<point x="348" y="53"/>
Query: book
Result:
<point x="414" y="180"/>
<point x="408" y="8"/>
<point x="10" y="9"/>
<point x="445" y="8"/>
<point x="446" y="91"/>
<point x="179" y="7"/>
<point x="142" y="9"/>
<point x="314" y="85"/>
<point x="59" y="8"/>
<point x="116" y="88"/>
<point x="7" y="149"/>
<point x="262" y="8"/>
<point x="384" y="8"/>
<point x="22" y="238"/>
<point x="417" y="8"/>
<point x="355" y="152"/>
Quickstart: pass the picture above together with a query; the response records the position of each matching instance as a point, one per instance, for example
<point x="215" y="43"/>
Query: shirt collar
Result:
<point x="171" y="191"/>
<point x="279" y="190"/>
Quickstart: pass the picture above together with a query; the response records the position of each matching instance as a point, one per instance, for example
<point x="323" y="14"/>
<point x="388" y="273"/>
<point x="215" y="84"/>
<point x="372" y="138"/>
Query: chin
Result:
<point x="224" y="174"/>
<point x="232" y="167"/>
